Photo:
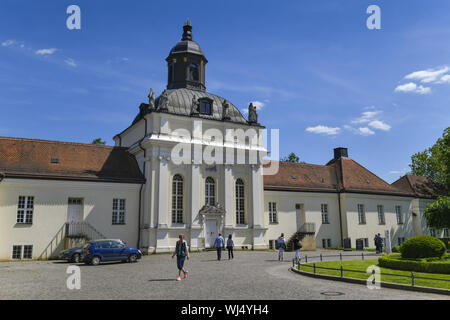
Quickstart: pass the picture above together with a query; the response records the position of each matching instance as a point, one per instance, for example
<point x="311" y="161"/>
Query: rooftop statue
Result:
<point x="151" y="99"/>
<point x="163" y="101"/>
<point x="225" y="110"/>
<point x="195" y="107"/>
<point x="252" y="115"/>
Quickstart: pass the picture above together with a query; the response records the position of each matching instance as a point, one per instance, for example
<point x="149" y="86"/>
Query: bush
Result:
<point x="395" y="261"/>
<point x="422" y="247"/>
<point x="396" y="249"/>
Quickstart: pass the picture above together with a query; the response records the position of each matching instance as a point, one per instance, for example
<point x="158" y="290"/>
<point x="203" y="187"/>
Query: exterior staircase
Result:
<point x="78" y="233"/>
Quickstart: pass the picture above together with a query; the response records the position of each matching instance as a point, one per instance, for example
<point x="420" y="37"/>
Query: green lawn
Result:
<point x="362" y="265"/>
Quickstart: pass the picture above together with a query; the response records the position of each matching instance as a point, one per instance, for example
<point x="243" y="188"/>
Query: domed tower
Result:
<point x="186" y="63"/>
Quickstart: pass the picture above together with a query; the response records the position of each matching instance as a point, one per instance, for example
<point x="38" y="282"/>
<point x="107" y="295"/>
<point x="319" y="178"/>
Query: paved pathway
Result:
<point x="251" y="275"/>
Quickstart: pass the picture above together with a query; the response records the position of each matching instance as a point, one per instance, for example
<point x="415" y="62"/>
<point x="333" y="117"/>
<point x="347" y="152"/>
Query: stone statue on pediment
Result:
<point x="195" y="106"/>
<point x="151" y="99"/>
<point x="252" y="115"/>
<point x="225" y="110"/>
<point x="163" y="100"/>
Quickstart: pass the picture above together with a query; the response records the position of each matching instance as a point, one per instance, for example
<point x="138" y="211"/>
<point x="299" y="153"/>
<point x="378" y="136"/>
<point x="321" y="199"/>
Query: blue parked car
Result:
<point x="98" y="251"/>
<point x="72" y="254"/>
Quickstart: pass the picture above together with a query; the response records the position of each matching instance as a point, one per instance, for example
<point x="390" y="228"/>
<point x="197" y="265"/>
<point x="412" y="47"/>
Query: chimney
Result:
<point x="340" y="153"/>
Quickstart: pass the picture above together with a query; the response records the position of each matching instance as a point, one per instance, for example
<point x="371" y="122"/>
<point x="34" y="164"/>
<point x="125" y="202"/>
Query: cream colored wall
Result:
<point x="50" y="212"/>
<point x="372" y="227"/>
<point x="287" y="220"/>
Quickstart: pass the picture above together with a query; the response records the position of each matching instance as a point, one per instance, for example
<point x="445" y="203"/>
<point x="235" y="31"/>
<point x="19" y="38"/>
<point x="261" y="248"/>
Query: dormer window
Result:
<point x="206" y="106"/>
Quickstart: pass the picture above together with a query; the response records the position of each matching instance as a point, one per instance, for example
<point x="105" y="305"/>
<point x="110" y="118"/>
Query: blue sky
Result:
<point x="320" y="75"/>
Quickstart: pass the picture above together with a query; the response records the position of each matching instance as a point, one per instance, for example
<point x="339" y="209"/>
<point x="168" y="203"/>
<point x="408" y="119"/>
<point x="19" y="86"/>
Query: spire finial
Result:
<point x="187" y="31"/>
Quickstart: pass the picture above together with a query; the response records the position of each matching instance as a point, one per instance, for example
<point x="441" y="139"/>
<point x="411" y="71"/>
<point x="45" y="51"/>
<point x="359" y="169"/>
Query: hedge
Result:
<point x="422" y="246"/>
<point x="395" y="261"/>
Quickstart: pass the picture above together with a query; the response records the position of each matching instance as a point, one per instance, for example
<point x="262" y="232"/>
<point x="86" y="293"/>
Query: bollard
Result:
<point x="342" y="271"/>
<point x="321" y="257"/>
<point x="306" y="258"/>
<point x="362" y="255"/>
<point x="340" y="255"/>
<point x="412" y="278"/>
<point x="314" y="268"/>
<point x="293" y="262"/>
<point x="373" y="276"/>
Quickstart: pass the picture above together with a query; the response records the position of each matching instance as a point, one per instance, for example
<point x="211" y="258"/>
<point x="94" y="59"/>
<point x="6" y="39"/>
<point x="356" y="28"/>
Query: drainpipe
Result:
<point x="340" y="218"/>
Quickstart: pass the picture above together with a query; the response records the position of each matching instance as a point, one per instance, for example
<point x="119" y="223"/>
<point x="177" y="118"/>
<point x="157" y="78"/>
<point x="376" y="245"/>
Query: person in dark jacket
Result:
<point x="182" y="252"/>
<point x="230" y="246"/>
<point x="297" y="246"/>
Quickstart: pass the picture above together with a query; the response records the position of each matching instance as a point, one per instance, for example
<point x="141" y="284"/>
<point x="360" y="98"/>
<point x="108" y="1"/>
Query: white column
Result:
<point x="258" y="207"/>
<point x="228" y="196"/>
<point x="162" y="238"/>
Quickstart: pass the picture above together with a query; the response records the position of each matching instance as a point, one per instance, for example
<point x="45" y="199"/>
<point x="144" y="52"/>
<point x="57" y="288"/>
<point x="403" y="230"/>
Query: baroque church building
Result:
<point x="191" y="164"/>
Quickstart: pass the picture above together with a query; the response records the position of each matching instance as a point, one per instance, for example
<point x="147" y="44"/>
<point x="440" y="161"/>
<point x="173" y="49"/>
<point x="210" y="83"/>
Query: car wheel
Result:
<point x="132" y="257"/>
<point x="95" y="261"/>
<point x="76" y="258"/>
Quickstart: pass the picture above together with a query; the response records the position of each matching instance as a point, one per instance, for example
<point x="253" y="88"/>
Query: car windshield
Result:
<point x="87" y="245"/>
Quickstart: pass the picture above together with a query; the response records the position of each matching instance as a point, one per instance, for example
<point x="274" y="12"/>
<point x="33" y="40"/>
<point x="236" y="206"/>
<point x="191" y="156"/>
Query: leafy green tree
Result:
<point x="437" y="214"/>
<point x="292" y="157"/>
<point x="435" y="161"/>
<point x="98" y="141"/>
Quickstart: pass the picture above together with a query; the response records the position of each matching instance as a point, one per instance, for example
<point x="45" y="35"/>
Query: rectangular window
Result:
<point x="28" y="252"/>
<point x="433" y="232"/>
<point x="17" y="252"/>
<point x="273" y="212"/>
<point x="398" y="213"/>
<point x="240" y="202"/>
<point x="324" y="210"/>
<point x="326" y="243"/>
<point x="446" y="233"/>
<point x="361" y="214"/>
<point x="25" y="209"/>
<point x="118" y="213"/>
<point x="380" y="210"/>
<point x="366" y="242"/>
<point x="401" y="240"/>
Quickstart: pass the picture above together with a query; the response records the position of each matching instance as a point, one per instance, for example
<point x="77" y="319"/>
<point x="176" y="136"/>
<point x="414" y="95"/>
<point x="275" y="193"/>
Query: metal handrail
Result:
<point x="413" y="277"/>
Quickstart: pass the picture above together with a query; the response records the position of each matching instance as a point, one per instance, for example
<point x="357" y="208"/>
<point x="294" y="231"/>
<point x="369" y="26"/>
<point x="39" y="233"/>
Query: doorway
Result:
<point x="75" y="216"/>
<point x="210" y="232"/>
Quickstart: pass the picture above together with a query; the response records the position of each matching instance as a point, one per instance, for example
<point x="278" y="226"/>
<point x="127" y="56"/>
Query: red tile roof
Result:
<point x="341" y="175"/>
<point x="421" y="187"/>
<point x="31" y="158"/>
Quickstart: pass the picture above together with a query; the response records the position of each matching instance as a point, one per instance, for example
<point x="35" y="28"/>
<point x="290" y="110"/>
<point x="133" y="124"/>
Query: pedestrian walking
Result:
<point x="297" y="246"/>
<point x="281" y="246"/>
<point x="380" y="239"/>
<point x="230" y="247"/>
<point x="219" y="244"/>
<point x="377" y="244"/>
<point x="182" y="252"/>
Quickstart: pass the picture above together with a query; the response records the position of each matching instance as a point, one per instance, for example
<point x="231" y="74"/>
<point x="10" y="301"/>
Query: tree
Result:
<point x="437" y="214"/>
<point x="98" y="141"/>
<point x="291" y="158"/>
<point x="434" y="162"/>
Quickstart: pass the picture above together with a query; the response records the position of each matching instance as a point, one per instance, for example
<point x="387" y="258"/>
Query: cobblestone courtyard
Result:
<point x="251" y="275"/>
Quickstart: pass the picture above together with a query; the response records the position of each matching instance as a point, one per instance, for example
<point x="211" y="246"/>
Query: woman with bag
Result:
<point x="182" y="252"/>
<point x="281" y="246"/>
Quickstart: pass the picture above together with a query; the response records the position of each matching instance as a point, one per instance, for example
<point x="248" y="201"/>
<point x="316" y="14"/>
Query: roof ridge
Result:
<point x="368" y="171"/>
<point x="58" y="142"/>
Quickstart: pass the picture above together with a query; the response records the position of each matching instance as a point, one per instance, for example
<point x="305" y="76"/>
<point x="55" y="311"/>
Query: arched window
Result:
<point x="210" y="191"/>
<point x="240" y="202"/>
<point x="177" y="199"/>
<point x="193" y="72"/>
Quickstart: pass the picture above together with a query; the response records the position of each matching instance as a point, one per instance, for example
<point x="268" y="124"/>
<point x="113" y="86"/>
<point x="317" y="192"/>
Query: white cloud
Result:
<point x="324" y="130"/>
<point x="412" y="87"/>
<point x="427" y="76"/>
<point x="363" y="131"/>
<point x="366" y="116"/>
<point x="445" y="79"/>
<point x="8" y="43"/>
<point x="46" y="51"/>
<point x="380" y="125"/>
<point x="70" y="62"/>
